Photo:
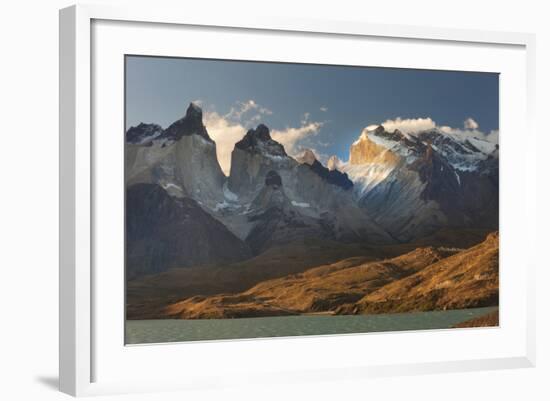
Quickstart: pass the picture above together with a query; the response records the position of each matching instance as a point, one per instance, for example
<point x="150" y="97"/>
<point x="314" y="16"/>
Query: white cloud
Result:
<point x="407" y="125"/>
<point x="291" y="137"/>
<point x="412" y="125"/>
<point x="470" y="123"/>
<point x="228" y="129"/>
<point x="324" y="109"/>
<point x="225" y="133"/>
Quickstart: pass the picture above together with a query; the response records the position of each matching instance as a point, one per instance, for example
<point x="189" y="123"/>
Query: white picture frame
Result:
<point x="81" y="343"/>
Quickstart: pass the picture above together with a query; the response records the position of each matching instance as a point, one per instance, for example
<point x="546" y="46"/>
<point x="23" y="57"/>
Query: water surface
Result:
<point x="172" y="330"/>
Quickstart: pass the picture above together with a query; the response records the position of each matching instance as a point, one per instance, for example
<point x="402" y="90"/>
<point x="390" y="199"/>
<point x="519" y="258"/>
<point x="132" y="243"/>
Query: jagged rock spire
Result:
<point x="191" y="124"/>
<point x="260" y="140"/>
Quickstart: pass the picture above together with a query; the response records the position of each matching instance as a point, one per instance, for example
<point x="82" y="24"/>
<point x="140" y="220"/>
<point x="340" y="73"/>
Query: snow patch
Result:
<point x="366" y="177"/>
<point x="275" y="157"/>
<point x="483" y="145"/>
<point x="300" y="204"/>
<point x="230" y="196"/>
<point x="149" y="138"/>
<point x="169" y="185"/>
<point x="457" y="178"/>
<point x="221" y="205"/>
<point x="393" y="146"/>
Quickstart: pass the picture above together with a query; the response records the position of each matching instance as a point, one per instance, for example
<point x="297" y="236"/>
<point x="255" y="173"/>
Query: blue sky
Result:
<point x="316" y="106"/>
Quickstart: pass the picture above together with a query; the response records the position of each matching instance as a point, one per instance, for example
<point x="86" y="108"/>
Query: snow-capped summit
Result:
<point x="380" y="146"/>
<point x="464" y="153"/>
<point x="425" y="179"/>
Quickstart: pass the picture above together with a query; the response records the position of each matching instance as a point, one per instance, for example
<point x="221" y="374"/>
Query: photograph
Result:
<point x="275" y="200"/>
<point x="268" y="199"/>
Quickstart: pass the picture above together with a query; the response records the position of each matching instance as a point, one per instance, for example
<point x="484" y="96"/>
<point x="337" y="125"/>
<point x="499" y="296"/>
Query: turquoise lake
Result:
<point x="168" y="330"/>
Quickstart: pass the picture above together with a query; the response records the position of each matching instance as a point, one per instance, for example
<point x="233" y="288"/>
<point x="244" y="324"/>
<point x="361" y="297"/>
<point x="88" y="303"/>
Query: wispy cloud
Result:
<point x="324" y="109"/>
<point x="248" y="112"/>
<point x="291" y="137"/>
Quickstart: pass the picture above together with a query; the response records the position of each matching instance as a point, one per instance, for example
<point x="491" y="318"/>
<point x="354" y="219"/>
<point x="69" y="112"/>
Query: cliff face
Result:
<point x="181" y="159"/>
<point x="364" y="151"/>
<point x="277" y="221"/>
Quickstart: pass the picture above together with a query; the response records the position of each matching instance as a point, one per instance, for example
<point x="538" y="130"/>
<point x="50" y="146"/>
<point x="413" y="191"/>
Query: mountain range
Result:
<point x="396" y="188"/>
<point x="408" y="223"/>
<point x="415" y="184"/>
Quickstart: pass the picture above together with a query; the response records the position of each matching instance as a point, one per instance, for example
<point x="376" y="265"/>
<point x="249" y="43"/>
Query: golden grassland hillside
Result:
<point x="427" y="278"/>
<point x="468" y="279"/>
<point x="320" y="289"/>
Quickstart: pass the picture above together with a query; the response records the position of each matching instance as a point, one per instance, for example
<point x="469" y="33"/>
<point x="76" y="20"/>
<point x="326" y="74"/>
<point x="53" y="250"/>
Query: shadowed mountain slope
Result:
<point x="163" y="232"/>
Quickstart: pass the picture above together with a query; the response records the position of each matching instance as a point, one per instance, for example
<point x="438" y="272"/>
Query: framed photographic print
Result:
<point x="313" y="191"/>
